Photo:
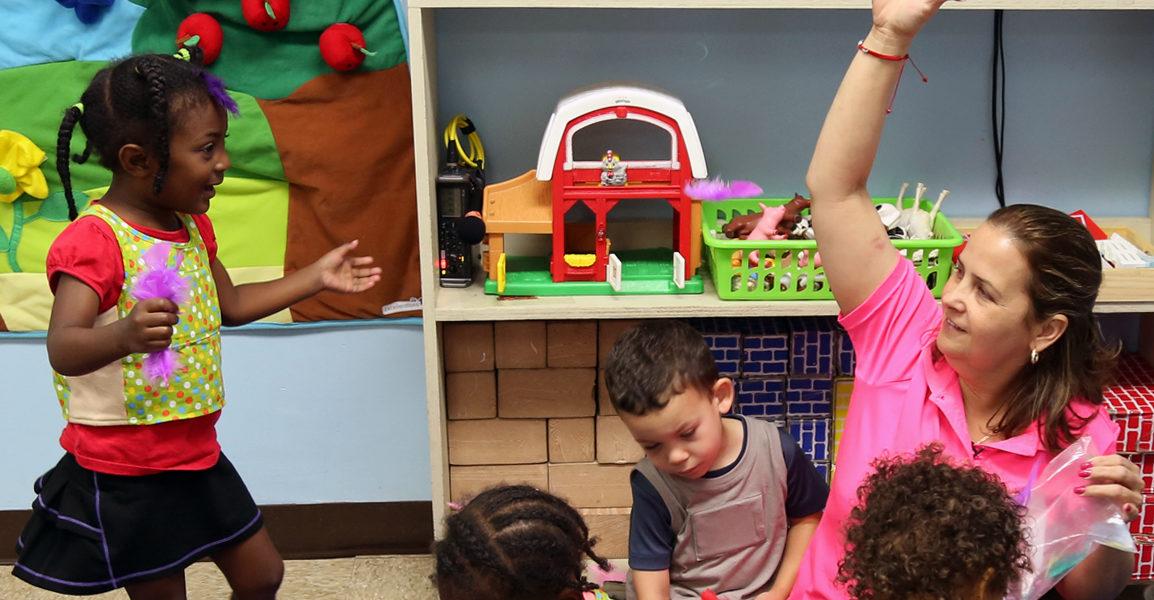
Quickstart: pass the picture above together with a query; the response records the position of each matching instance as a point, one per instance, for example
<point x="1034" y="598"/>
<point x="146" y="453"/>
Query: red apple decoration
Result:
<point x="343" y="47"/>
<point x="266" y="15"/>
<point x="203" y="31"/>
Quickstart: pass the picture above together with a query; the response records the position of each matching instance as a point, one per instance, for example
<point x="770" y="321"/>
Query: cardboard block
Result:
<point x="497" y="442"/>
<point x="1130" y="402"/>
<point x="842" y="391"/>
<point x="471" y="395"/>
<point x="809" y="396"/>
<point x="571" y="440"/>
<point x="592" y="485"/>
<point x="762" y="397"/>
<point x="545" y="393"/>
<point x="467" y="346"/>
<point x="607" y="332"/>
<point x="466" y="482"/>
<point x="604" y="404"/>
<point x="610" y="527"/>
<point x="520" y="344"/>
<point x="812" y="434"/>
<point x="571" y="343"/>
<point x="615" y="445"/>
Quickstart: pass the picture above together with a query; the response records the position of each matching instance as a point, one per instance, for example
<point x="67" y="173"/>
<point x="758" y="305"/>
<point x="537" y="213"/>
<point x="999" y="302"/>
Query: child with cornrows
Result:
<point x="515" y="542"/>
<point x="143" y="489"/>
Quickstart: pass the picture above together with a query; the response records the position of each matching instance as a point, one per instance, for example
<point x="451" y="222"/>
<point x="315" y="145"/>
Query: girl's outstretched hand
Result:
<point x="340" y="272"/>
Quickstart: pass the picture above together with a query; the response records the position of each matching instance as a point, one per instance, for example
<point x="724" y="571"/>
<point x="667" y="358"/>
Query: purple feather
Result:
<point x="159" y="280"/>
<point x="216" y="89"/>
<point x="716" y="189"/>
<point x="160" y="365"/>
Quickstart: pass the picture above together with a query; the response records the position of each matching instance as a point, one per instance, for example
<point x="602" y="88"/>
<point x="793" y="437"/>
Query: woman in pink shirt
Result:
<point x="1005" y="373"/>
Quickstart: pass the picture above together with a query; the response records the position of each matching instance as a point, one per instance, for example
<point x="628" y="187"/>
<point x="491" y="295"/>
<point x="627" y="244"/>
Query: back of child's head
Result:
<point x="513" y="543"/>
<point x="137" y="100"/>
<point x="655" y="361"/>
<point x="924" y="528"/>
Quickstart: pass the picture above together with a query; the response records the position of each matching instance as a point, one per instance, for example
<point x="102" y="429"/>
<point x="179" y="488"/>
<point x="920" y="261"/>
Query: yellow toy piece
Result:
<point x="580" y="260"/>
<point x="20" y="159"/>
<point x="501" y="274"/>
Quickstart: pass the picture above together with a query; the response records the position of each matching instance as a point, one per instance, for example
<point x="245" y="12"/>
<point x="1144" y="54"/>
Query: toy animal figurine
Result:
<point x="766" y="228"/>
<point x="790" y="220"/>
<point x="740" y="225"/>
<point x="612" y="169"/>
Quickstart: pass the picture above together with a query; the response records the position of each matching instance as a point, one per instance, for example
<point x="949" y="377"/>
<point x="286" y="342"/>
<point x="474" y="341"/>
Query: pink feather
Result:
<point x="716" y="189"/>
<point x="159" y="280"/>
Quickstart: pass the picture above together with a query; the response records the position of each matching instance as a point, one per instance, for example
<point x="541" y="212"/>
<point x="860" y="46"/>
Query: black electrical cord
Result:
<point x="998" y="107"/>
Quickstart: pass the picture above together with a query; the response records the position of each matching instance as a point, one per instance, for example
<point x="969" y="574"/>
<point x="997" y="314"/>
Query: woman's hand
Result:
<point x="896" y="22"/>
<point x="1116" y="478"/>
<point x="340" y="272"/>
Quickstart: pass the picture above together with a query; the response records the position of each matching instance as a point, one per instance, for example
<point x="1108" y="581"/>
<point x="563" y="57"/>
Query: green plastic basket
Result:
<point x="782" y="277"/>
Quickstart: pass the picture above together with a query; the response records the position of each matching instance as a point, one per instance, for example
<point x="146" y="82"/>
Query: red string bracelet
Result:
<point x="893" y="58"/>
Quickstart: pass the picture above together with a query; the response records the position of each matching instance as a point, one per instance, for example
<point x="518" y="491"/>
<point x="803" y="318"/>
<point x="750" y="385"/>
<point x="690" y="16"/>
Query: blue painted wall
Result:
<point x="1079" y="96"/>
<point x="315" y="413"/>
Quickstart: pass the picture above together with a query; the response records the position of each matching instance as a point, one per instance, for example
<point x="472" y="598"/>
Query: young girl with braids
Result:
<point x="515" y="543"/>
<point x="143" y="489"/>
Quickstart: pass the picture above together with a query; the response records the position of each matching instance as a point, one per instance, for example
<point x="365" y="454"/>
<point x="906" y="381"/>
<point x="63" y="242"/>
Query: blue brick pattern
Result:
<point x="843" y="353"/>
<point x="824" y="469"/>
<point x="811" y="346"/>
<point x="813" y="437"/>
<point x="761" y="398"/>
<point x="766" y="347"/>
<point x="809" y="396"/>
<point x="725" y="343"/>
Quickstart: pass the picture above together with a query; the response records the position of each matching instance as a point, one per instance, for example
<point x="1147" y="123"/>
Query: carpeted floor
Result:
<point x="360" y="578"/>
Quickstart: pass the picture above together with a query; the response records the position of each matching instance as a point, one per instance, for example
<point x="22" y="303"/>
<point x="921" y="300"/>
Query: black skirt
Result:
<point x="93" y="532"/>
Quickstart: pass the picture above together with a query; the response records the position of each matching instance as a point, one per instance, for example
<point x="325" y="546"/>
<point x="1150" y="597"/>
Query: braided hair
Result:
<point x="137" y="100"/>
<point x="514" y="543"/>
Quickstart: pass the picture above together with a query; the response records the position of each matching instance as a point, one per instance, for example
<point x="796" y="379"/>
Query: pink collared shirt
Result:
<point x="902" y="399"/>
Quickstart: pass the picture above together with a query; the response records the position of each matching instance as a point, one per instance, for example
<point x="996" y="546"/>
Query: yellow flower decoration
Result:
<point x="20" y="172"/>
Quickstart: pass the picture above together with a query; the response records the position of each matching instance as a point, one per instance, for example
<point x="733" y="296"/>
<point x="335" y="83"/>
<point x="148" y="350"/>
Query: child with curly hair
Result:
<point x="516" y="542"/>
<point x="924" y="528"/>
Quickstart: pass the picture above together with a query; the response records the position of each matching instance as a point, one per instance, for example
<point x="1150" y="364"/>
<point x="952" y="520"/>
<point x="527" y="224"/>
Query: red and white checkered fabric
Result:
<point x="1144" y="559"/>
<point x="1130" y="402"/>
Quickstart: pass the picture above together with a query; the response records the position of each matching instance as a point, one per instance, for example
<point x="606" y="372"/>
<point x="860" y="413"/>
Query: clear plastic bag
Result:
<point x="1064" y="527"/>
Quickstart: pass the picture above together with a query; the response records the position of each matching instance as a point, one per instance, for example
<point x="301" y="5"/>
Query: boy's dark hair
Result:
<point x="924" y="528"/>
<point x="514" y="542"/>
<point x="137" y="100"/>
<point x="655" y="361"/>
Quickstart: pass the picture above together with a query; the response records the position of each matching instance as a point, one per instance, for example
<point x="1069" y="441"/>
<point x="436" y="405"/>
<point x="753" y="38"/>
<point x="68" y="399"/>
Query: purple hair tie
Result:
<point x="216" y="89"/>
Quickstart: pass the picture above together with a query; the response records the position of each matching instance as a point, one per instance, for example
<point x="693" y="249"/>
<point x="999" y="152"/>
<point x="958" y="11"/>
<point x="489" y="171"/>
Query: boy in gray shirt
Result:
<point x="721" y="503"/>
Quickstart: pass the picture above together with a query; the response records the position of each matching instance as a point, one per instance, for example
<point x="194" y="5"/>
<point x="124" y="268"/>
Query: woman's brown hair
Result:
<point x="1065" y="273"/>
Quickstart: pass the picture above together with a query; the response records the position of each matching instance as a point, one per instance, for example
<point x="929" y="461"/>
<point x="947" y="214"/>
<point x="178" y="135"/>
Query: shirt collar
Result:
<point x="946" y="392"/>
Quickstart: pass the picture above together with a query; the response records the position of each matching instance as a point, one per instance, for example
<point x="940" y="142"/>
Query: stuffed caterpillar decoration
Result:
<point x="159" y="280"/>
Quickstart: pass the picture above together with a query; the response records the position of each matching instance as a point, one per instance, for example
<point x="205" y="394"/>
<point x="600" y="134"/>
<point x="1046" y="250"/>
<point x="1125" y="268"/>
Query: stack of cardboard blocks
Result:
<point x="1130" y="401"/>
<point x="789" y="372"/>
<point x="522" y="406"/>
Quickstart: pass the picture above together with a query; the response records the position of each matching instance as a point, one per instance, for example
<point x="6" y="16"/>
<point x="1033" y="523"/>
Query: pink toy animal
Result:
<point x="766" y="228"/>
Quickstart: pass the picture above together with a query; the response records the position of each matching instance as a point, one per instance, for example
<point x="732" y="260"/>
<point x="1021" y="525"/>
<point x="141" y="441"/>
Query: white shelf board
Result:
<point x="473" y="304"/>
<point x="806" y="4"/>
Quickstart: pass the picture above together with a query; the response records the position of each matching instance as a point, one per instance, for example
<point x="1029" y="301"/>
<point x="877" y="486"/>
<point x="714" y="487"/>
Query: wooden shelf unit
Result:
<point x="471" y="304"/>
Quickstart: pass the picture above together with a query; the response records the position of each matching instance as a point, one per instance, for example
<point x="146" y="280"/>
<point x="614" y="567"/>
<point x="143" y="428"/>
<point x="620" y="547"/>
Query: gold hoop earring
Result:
<point x="1033" y="356"/>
